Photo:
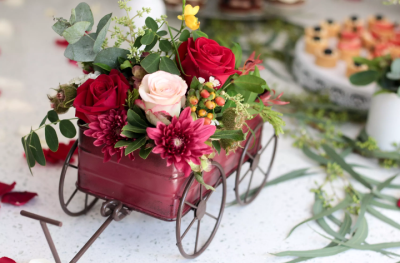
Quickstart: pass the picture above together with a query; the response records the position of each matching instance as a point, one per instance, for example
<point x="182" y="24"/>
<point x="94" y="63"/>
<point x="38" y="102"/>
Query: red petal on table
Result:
<point x="61" y="154"/>
<point x="398" y="203"/>
<point x="18" y="198"/>
<point x="62" y="42"/>
<point x="6" y="260"/>
<point x="5" y="188"/>
<point x="72" y="62"/>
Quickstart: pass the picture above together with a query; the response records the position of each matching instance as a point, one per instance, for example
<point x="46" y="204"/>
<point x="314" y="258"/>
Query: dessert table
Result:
<point x="31" y="63"/>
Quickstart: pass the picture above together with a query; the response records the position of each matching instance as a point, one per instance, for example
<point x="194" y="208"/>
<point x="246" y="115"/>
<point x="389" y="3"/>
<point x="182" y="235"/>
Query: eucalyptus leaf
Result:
<point x="52" y="116"/>
<point x="184" y="35"/>
<point x="168" y="65"/>
<point x="60" y="26"/>
<point x="365" y="202"/>
<point x="82" y="50"/>
<point x="165" y="45"/>
<point x="51" y="138"/>
<point x="395" y="66"/>
<point x="109" y="57"/>
<point x="133" y="146"/>
<point x="318" y="158"/>
<point x="385" y="206"/>
<point x="84" y="13"/>
<point x="37" y="150"/>
<point x="341" y="162"/>
<point x="67" y="129"/>
<point x="102" y="29"/>
<point x="76" y="32"/>
<point x="103" y="66"/>
<point x="72" y="18"/>
<point x="151" y="63"/>
<point x="382" y="217"/>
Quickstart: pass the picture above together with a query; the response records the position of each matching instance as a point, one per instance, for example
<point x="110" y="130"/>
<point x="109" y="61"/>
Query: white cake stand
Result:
<point x="333" y="80"/>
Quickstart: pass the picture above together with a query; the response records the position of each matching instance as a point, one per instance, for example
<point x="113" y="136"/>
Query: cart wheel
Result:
<point x="64" y="205"/>
<point x="252" y="185"/>
<point x="210" y="220"/>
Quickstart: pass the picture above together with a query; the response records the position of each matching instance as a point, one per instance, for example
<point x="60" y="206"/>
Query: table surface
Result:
<point x="30" y="64"/>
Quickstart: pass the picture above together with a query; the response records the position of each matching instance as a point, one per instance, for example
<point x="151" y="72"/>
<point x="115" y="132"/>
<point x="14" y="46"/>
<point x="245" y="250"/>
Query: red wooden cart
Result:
<point x="150" y="187"/>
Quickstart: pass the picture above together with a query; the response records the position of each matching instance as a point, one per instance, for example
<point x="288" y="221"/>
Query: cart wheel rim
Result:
<point x="250" y="194"/>
<point x="64" y="205"/>
<point x="200" y="211"/>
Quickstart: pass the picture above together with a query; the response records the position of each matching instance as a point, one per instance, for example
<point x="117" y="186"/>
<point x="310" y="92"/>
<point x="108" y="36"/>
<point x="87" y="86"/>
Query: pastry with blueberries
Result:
<point x="315" y="44"/>
<point x="327" y="58"/>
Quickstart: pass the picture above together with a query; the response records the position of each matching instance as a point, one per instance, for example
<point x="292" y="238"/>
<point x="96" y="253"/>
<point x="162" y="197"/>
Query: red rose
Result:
<point x="96" y="96"/>
<point x="204" y="58"/>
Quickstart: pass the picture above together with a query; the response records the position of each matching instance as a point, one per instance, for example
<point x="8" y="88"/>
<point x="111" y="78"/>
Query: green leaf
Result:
<point x="318" y="158"/>
<point x="217" y="146"/>
<point x="83" y="13"/>
<point x="43" y="121"/>
<point x="162" y="33"/>
<point x="385" y="206"/>
<point x="168" y="65"/>
<point x="138" y="42"/>
<point x="257" y="74"/>
<point x="165" y="45"/>
<point x="60" y="26"/>
<point x="102" y="29"/>
<point x="197" y="34"/>
<point x="365" y="202"/>
<point x="109" y="56"/>
<point x="329" y="211"/>
<point x="151" y="63"/>
<point x="341" y="162"/>
<point x="131" y="135"/>
<point x="382" y="217"/>
<point x="250" y="83"/>
<point x="29" y="154"/>
<point x="385" y="184"/>
<point x="133" y="146"/>
<point x="148" y="38"/>
<point x="195" y="83"/>
<point x="393" y="75"/>
<point x="150" y="23"/>
<point x="72" y="18"/>
<point x="126" y="64"/>
<point x="76" y="32"/>
<point x="290" y="176"/>
<point x="82" y="50"/>
<point x="133" y="129"/>
<point x="122" y="143"/>
<point x="135" y="119"/>
<point x="67" y="128"/>
<point x="145" y="152"/>
<point x="184" y="35"/>
<point x="37" y="150"/>
<point x="51" y="138"/>
<point x="364" y="77"/>
<point x="153" y="44"/>
<point x="236" y="135"/>
<point x="103" y="66"/>
<point x="200" y="180"/>
<point x="52" y="116"/>
<point x="237" y="50"/>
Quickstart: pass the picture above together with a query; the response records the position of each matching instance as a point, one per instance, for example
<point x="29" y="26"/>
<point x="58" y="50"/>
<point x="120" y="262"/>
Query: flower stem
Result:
<point x="176" y="49"/>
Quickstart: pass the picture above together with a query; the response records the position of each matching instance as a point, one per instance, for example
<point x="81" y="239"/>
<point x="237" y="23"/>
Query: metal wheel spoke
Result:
<point x="211" y="192"/>
<point x="251" y="156"/>
<point x="187" y="229"/>
<point x="72" y="196"/>
<point x="261" y="170"/>
<point x="210" y="215"/>
<point x="191" y="205"/>
<point x="266" y="146"/>
<point x="241" y="179"/>
<point x="248" y="188"/>
<point x="201" y="193"/>
<point x="86" y="202"/>
<point x="73" y="166"/>
<point x="197" y="236"/>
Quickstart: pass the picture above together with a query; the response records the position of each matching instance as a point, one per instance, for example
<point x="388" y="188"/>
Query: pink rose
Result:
<point x="163" y="91"/>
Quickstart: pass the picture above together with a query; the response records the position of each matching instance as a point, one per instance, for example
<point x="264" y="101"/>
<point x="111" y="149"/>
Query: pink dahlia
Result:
<point x="182" y="141"/>
<point x="106" y="129"/>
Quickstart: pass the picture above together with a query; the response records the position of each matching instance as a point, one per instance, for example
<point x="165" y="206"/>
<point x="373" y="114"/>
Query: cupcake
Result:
<point x="331" y="27"/>
<point x="349" y="49"/>
<point x="354" y="67"/>
<point x="327" y="58"/>
<point x="368" y="40"/>
<point x="381" y="49"/>
<point x="354" y="21"/>
<point x="384" y="30"/>
<point x="373" y="19"/>
<point x="316" y="31"/>
<point x="350" y="34"/>
<point x="314" y="44"/>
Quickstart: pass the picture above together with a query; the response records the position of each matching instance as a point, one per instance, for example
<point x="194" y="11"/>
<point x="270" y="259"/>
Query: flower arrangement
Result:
<point x="186" y="99"/>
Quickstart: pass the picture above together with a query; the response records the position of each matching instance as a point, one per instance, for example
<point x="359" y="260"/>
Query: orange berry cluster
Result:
<point x="204" y="100"/>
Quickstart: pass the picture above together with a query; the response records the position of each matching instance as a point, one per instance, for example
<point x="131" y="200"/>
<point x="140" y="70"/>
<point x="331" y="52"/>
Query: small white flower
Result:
<point x="215" y="82"/>
<point x="215" y="122"/>
<point x="80" y="65"/>
<point x="82" y="79"/>
<point x="202" y="80"/>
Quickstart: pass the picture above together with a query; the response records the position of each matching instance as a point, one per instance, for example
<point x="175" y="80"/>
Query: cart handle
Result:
<point x="43" y="221"/>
